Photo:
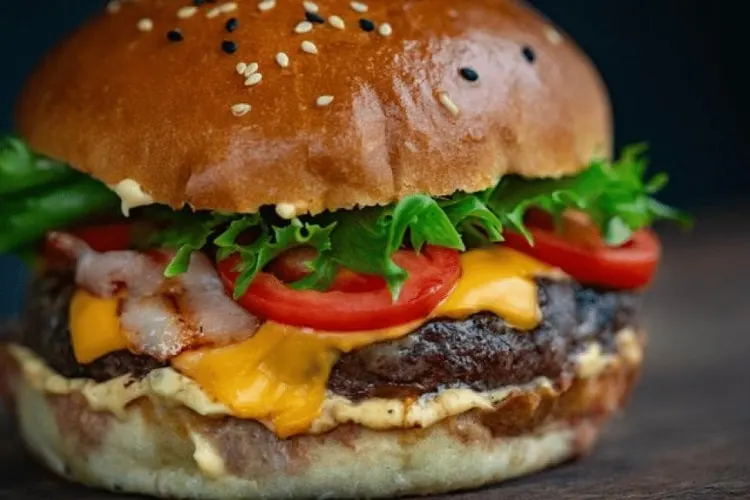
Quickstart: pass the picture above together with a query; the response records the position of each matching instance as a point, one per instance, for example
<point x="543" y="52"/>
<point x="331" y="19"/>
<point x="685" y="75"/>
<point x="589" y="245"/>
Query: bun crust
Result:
<point x="170" y="451"/>
<point x="122" y="103"/>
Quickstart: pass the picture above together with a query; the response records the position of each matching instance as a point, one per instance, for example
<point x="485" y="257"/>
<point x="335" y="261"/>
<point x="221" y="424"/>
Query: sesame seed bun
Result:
<point x="363" y="109"/>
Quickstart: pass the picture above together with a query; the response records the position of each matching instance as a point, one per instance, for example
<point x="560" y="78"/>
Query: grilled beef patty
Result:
<point x="481" y="352"/>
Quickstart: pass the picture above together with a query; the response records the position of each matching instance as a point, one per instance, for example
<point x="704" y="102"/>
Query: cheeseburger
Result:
<point x="321" y="249"/>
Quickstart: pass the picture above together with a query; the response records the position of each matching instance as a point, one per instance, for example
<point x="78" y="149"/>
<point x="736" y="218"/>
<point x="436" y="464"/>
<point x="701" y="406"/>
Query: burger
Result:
<point x="321" y="249"/>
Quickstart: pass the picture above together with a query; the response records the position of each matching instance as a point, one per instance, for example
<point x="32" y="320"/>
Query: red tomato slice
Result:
<point x="629" y="266"/>
<point x="107" y="237"/>
<point x="432" y="275"/>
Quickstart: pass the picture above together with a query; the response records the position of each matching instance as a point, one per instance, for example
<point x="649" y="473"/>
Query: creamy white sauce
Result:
<point x="132" y="195"/>
<point x="207" y="457"/>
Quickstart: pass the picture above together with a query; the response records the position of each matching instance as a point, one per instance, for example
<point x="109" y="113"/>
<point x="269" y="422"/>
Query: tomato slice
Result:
<point x="432" y="275"/>
<point x="106" y="237"/>
<point x="626" y="267"/>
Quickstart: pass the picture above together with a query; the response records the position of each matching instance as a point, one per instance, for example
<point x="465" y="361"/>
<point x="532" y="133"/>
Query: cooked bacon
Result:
<point x="161" y="317"/>
<point x="154" y="327"/>
<point x="217" y="318"/>
<point x="103" y="274"/>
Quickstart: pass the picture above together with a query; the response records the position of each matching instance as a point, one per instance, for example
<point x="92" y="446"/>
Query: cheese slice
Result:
<point x="94" y="327"/>
<point x="279" y="375"/>
<point x="497" y="280"/>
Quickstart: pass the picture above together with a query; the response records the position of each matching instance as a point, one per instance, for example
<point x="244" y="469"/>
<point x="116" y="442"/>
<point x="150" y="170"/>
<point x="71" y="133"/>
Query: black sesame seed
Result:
<point x="229" y="47"/>
<point x="529" y="54"/>
<point x="232" y="24"/>
<point x="314" y="17"/>
<point x="175" y="36"/>
<point x="469" y="74"/>
<point x="366" y="25"/>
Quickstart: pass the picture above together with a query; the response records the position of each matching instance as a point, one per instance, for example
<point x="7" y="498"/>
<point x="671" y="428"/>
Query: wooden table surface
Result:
<point x="686" y="433"/>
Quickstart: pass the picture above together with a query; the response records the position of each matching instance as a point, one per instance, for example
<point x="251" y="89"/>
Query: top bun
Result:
<point x="120" y="100"/>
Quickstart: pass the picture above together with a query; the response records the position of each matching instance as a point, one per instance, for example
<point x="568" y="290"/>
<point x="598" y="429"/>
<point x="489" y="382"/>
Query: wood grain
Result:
<point x="686" y="433"/>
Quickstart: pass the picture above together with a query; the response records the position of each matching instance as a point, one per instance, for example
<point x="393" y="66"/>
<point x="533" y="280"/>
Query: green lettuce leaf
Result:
<point x="268" y="245"/>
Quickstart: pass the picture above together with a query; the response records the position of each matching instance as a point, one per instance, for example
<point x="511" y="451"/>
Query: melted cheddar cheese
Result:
<point x="497" y="280"/>
<point x="94" y="327"/>
<point x="279" y="375"/>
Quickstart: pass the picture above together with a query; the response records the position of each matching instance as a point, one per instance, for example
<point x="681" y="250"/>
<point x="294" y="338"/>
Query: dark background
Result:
<point x="675" y="69"/>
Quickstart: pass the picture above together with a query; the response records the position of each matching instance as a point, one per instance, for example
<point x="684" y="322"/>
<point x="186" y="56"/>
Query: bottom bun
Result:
<point x="170" y="451"/>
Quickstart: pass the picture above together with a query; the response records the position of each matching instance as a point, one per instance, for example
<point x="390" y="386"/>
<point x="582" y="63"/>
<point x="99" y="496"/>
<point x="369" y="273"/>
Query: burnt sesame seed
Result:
<point x="366" y="25"/>
<point x="469" y="74"/>
<point x="198" y="3"/>
<point x="529" y="54"/>
<point x="232" y="25"/>
<point x="175" y="36"/>
<point x="229" y="47"/>
<point x="314" y="17"/>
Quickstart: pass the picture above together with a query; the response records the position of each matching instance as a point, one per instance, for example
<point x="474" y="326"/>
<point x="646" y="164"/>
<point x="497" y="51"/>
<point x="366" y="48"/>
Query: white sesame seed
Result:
<point x="282" y="59"/>
<point x="114" y="6"/>
<point x="251" y="68"/>
<point x="385" y="29"/>
<point x="324" y="101"/>
<point x="303" y="27"/>
<point x="241" y="109"/>
<point x="309" y="47"/>
<point x="213" y="13"/>
<point x="253" y="79"/>
<point x="228" y="7"/>
<point x="266" y="5"/>
<point x="554" y="36"/>
<point x="145" y="24"/>
<point x="310" y="6"/>
<point x="336" y="22"/>
<point x="286" y="211"/>
<point x="187" y="12"/>
<point x="448" y="104"/>
<point x="241" y="67"/>
<point x="358" y="7"/>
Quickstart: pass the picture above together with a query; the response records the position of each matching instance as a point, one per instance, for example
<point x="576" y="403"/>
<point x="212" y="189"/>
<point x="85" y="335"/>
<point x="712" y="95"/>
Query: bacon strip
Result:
<point x="161" y="317"/>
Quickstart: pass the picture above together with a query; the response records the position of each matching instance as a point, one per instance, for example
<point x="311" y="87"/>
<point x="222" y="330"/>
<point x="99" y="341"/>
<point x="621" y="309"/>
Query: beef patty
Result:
<point x="481" y="352"/>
